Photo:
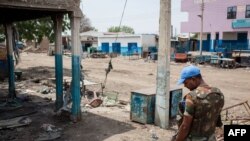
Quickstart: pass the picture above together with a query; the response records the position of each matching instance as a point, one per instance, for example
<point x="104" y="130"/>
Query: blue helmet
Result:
<point x="188" y="72"/>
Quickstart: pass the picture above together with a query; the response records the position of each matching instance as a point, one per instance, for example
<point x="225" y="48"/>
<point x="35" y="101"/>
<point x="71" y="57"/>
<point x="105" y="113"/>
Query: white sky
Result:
<point x="141" y="15"/>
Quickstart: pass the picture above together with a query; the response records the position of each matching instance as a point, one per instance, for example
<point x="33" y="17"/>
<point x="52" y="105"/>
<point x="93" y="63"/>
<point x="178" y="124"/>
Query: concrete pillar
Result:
<point x="75" y="18"/>
<point x="8" y="28"/>
<point x="58" y="60"/>
<point x="212" y="40"/>
<point x="220" y="42"/>
<point x="163" y="67"/>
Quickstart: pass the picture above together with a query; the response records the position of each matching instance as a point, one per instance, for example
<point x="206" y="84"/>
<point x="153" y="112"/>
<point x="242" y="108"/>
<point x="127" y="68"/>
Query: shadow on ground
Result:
<point x="41" y="111"/>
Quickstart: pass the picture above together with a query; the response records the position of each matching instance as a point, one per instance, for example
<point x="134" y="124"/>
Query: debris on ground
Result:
<point x="243" y="114"/>
<point x="98" y="55"/>
<point x="110" y="99"/>
<point x="50" y="132"/>
<point x="46" y="90"/>
<point x="123" y="102"/>
<point x="10" y="104"/>
<point x="14" y="122"/>
<point x="128" y="76"/>
<point x="234" y="114"/>
<point x="154" y="135"/>
<point x="91" y="98"/>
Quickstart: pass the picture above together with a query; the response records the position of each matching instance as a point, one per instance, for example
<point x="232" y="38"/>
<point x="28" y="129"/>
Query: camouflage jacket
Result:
<point x="205" y="105"/>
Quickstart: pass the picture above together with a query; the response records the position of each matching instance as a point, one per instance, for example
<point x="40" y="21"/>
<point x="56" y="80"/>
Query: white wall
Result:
<point x="230" y="36"/>
<point x="123" y="40"/>
<point x="147" y="41"/>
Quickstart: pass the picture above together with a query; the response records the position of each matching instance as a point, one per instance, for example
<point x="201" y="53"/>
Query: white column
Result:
<point x="9" y="31"/>
<point x="75" y="18"/>
<point x="213" y="35"/>
<point x="58" y="60"/>
<point x="220" y="39"/>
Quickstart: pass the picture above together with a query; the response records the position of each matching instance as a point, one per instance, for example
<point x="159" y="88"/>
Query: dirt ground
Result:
<point x="109" y="123"/>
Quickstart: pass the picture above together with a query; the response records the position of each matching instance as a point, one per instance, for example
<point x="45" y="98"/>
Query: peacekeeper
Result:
<point x="200" y="108"/>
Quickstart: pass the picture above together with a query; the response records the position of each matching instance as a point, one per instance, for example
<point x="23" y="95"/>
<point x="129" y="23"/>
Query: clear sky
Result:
<point x="141" y="15"/>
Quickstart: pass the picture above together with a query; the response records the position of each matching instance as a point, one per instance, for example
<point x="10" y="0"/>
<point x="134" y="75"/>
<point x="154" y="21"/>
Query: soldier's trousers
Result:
<point x="210" y="138"/>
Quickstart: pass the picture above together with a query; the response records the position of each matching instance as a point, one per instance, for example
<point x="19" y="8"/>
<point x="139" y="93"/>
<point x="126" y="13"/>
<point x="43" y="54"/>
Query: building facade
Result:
<point x="226" y="24"/>
<point x="126" y="44"/>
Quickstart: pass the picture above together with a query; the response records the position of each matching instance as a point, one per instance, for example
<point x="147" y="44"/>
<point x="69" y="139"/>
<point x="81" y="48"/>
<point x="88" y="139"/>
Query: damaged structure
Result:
<point x="22" y="10"/>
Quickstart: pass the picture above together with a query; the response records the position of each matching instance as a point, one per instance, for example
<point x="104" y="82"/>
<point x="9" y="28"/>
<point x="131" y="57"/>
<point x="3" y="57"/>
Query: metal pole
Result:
<point x="212" y="41"/>
<point x="248" y="40"/>
<point x="9" y="36"/>
<point x="201" y="33"/>
<point x="163" y="68"/>
<point x="58" y="61"/>
<point x="75" y="84"/>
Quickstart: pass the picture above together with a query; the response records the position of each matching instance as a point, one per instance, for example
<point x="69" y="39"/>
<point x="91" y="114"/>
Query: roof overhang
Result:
<point x="21" y="10"/>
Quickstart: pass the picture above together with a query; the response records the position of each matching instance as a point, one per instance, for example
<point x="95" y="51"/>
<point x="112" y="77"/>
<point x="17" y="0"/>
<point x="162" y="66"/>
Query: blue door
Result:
<point x="132" y="48"/>
<point x="116" y="47"/>
<point x="105" y="47"/>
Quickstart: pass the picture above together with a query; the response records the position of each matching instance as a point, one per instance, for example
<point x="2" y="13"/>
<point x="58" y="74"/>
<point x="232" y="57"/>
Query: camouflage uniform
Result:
<point x="204" y="104"/>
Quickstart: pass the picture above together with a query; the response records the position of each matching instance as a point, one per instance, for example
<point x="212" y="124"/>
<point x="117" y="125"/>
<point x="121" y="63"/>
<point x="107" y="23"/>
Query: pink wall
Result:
<point x="215" y="16"/>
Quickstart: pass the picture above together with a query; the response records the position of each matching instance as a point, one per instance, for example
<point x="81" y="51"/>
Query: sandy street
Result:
<point x="110" y="123"/>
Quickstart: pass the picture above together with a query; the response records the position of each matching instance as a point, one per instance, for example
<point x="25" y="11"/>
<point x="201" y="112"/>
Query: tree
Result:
<point x="85" y="24"/>
<point x="125" y="29"/>
<point x="36" y="29"/>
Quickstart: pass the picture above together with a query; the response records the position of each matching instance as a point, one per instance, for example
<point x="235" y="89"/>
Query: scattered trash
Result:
<point x="98" y="55"/>
<point x="122" y="102"/>
<point x="110" y="98"/>
<point x="96" y="102"/>
<point x="46" y="90"/>
<point x="85" y="109"/>
<point x="153" y="135"/>
<point x="15" y="122"/>
<point x="230" y="116"/>
<point x="48" y="99"/>
<point x="49" y="128"/>
<point x="35" y="80"/>
<point x="92" y="99"/>
<point x="48" y="136"/>
<point x="50" y="132"/>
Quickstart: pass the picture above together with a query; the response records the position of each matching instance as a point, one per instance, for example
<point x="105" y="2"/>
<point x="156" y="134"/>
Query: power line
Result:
<point x="110" y="66"/>
<point x="121" y="20"/>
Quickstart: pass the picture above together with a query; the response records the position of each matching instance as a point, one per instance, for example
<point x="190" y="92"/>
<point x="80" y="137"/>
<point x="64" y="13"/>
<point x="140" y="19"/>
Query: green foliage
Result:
<point x="125" y="29"/>
<point x="36" y="29"/>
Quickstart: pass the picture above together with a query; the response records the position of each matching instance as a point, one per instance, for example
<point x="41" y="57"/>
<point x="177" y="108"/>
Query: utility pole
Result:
<point x="175" y="30"/>
<point x="202" y="17"/>
<point x="163" y="68"/>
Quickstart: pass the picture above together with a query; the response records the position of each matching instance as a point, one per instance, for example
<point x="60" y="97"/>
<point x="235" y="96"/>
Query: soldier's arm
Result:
<point x="187" y="119"/>
<point x="184" y="128"/>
